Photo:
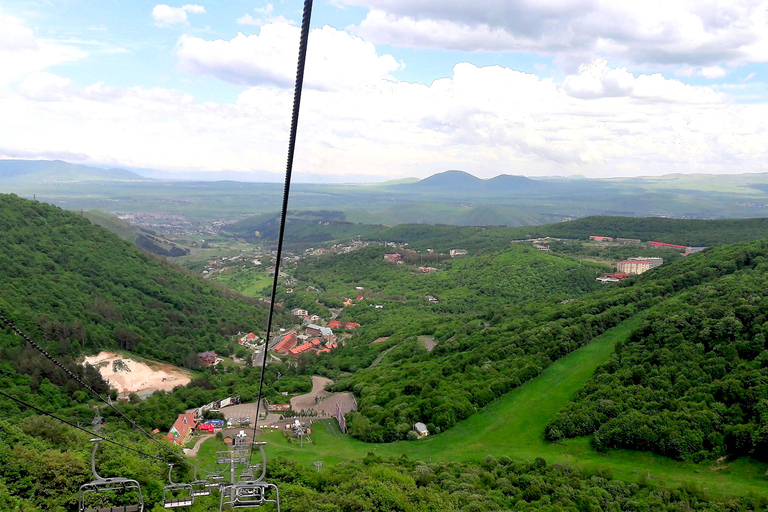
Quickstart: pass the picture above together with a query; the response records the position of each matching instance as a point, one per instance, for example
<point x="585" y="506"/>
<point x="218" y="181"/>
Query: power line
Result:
<point x="93" y="434"/>
<point x="306" y="15"/>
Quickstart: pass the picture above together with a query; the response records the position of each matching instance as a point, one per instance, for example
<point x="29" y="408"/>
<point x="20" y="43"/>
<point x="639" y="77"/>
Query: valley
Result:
<point x="501" y="341"/>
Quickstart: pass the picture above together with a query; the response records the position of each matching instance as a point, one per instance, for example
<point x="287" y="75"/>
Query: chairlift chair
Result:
<point x="250" y="492"/>
<point x="92" y="495"/>
<point x="201" y="487"/>
<point x="177" y="495"/>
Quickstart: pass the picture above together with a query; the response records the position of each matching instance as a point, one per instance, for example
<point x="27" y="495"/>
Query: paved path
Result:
<point x="192" y="452"/>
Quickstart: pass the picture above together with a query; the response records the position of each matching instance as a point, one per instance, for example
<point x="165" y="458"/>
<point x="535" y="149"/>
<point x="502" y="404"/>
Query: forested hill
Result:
<point x="309" y="228"/>
<point x="79" y="287"/>
<point x="706" y="233"/>
<point x="480" y="360"/>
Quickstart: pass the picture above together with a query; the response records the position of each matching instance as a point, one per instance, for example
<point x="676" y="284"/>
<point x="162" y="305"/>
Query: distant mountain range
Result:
<point x="451" y="197"/>
<point x="32" y="172"/>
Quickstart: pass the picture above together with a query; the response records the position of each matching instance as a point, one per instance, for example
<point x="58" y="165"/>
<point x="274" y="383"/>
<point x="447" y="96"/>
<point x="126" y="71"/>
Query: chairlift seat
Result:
<point x="170" y="501"/>
<point x="126" y="508"/>
<point x="107" y="485"/>
<point x="178" y="502"/>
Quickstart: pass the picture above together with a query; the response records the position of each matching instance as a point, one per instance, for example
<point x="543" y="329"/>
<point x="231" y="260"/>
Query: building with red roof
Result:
<point x="286" y="344"/>
<point x="181" y="428"/>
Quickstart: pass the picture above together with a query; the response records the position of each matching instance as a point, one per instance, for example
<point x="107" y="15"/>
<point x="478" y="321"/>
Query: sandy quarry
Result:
<point x="129" y="376"/>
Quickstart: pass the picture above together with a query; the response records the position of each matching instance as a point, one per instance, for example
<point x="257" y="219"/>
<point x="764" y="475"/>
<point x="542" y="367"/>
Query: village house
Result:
<point x="248" y="338"/>
<point x="421" y="429"/>
<point x="208" y="357"/>
<point x="299" y="312"/>
<point x="458" y="252"/>
<point x="335" y="324"/>
<point x="393" y="257"/>
<point x="181" y="428"/>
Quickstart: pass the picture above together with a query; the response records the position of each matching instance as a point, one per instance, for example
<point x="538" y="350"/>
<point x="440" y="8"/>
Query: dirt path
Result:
<point x="429" y="342"/>
<point x="192" y="452"/>
<point x="308" y="401"/>
<point x="326" y="405"/>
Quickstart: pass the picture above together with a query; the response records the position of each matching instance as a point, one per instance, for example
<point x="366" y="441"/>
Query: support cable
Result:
<point x="80" y="381"/>
<point x="307" y="14"/>
<point x="93" y="434"/>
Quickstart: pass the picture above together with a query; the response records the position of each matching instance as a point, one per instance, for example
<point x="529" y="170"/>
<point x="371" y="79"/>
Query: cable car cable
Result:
<point x="77" y="379"/>
<point x="93" y="434"/>
<point x="306" y="15"/>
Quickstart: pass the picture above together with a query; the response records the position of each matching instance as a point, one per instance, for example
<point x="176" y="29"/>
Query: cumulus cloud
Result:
<point x="22" y="52"/>
<point x="702" y="34"/>
<point x="599" y="121"/>
<point x="165" y="15"/>
<point x="598" y="80"/>
<point x="335" y="59"/>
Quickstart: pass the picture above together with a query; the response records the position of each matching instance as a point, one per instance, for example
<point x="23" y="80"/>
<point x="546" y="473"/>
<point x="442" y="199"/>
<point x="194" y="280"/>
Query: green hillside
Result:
<point x="687" y="377"/>
<point x="691" y="382"/>
<point x="481" y="360"/>
<point x="81" y="288"/>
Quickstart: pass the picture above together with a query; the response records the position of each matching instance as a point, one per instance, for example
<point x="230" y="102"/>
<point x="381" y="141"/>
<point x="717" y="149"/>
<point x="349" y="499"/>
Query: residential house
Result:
<point x="208" y="357"/>
<point x="248" y="338"/>
<point x="421" y="429"/>
<point x="458" y="252"/>
<point x="181" y="428"/>
<point x="299" y="312"/>
<point x="393" y="257"/>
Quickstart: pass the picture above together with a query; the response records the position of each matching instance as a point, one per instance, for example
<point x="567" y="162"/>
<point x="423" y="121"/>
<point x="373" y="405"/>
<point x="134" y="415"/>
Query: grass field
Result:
<point x="514" y="424"/>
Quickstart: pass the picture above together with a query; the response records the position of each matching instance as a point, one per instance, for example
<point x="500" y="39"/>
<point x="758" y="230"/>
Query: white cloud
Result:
<point x="247" y="19"/>
<point x="597" y="80"/>
<point x="42" y="86"/>
<point x="335" y="60"/>
<point x="165" y="15"/>
<point x="485" y="120"/>
<point x="22" y="52"/>
<point x="713" y="72"/>
<point x="697" y="33"/>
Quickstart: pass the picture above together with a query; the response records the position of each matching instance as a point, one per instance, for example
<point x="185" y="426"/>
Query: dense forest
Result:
<point x="476" y="361"/>
<point x="81" y="288"/>
<point x="323" y="227"/>
<point x="692" y="382"/>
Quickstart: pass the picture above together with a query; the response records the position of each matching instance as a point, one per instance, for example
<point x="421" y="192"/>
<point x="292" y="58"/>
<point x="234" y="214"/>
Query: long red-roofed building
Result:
<point x="668" y="246"/>
<point x="285" y="345"/>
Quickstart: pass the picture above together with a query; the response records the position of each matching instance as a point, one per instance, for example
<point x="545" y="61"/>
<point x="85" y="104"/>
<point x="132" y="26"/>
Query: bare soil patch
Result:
<point x="131" y="376"/>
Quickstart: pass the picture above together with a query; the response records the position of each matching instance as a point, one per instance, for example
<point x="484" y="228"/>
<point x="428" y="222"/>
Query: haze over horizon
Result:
<point x="393" y="89"/>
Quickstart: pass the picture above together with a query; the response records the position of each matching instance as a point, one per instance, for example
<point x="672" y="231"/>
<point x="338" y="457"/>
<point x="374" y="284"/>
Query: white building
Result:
<point x="421" y="429"/>
<point x="633" y="266"/>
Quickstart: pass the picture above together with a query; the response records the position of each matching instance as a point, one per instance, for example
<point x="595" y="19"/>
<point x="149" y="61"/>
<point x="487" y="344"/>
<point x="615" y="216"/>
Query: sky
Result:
<point x="392" y="88"/>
